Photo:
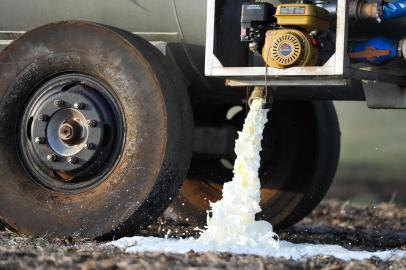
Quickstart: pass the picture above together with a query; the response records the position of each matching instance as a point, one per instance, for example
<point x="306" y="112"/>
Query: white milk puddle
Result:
<point x="286" y="249"/>
<point x="232" y="226"/>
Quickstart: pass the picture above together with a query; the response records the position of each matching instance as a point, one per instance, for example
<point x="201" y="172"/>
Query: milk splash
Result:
<point x="232" y="226"/>
<point x="231" y="221"/>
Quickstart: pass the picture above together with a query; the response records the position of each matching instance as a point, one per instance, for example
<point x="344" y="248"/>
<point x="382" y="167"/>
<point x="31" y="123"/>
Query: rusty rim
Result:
<point x="71" y="133"/>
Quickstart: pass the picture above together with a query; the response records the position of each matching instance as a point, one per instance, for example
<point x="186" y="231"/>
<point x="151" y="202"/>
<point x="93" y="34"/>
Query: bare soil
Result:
<point x="356" y="227"/>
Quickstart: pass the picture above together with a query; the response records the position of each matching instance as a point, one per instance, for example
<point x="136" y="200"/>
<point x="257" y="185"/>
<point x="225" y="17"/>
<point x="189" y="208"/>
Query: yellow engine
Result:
<point x="289" y="47"/>
<point x="293" y="43"/>
<point x="306" y="16"/>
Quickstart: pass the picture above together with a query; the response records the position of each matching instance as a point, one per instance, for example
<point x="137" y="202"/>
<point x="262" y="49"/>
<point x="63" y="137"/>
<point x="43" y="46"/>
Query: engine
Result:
<point x="286" y="36"/>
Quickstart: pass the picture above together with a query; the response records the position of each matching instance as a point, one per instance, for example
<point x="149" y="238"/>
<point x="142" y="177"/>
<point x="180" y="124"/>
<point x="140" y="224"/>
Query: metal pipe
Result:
<point x="381" y="11"/>
<point x="331" y="8"/>
<point x="367" y="10"/>
<point x="363" y="10"/>
<point x="402" y="48"/>
<point x="261" y="92"/>
<point x="358" y="9"/>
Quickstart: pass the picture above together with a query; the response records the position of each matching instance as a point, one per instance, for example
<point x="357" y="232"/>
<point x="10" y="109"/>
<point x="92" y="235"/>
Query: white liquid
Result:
<point x="232" y="220"/>
<point x="232" y="227"/>
<point x="286" y="250"/>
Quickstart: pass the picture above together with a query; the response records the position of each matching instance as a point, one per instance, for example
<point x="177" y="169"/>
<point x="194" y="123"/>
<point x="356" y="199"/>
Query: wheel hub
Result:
<point x="70" y="132"/>
<point x="70" y="125"/>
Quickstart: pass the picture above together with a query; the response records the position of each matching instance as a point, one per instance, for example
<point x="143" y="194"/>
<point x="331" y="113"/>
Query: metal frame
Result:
<point x="331" y="73"/>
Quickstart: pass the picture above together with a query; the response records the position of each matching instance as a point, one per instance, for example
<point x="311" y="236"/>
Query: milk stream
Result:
<point x="231" y="220"/>
<point x="231" y="224"/>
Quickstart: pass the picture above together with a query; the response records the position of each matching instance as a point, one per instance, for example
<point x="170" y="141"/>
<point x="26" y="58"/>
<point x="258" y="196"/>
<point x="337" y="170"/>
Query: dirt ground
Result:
<point x="356" y="227"/>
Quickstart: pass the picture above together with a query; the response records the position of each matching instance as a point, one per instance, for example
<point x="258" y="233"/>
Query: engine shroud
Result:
<point x="286" y="48"/>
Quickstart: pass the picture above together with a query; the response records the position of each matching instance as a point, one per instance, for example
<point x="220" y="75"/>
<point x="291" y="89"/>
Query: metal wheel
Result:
<point x="71" y="133"/>
<point x="95" y="135"/>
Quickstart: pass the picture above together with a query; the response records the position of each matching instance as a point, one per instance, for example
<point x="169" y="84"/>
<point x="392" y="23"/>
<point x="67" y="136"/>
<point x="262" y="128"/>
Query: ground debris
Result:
<point x="348" y="215"/>
<point x="372" y="228"/>
<point x="333" y="222"/>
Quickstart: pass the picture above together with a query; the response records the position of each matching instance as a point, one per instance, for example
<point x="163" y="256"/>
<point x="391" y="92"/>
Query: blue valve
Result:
<point x="375" y="51"/>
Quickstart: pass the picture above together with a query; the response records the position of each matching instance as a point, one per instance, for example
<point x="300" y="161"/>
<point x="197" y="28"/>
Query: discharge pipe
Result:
<point x="260" y="92"/>
<point x="362" y="9"/>
<point x="378" y="50"/>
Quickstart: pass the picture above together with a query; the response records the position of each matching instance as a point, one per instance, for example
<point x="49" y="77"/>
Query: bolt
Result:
<point x="42" y="117"/>
<point x="59" y="103"/>
<point x="52" y="157"/>
<point x="39" y="140"/>
<point x="92" y="123"/>
<point x="72" y="160"/>
<point x="89" y="146"/>
<point x="78" y="105"/>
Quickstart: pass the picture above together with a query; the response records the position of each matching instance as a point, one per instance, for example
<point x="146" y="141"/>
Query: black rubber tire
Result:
<point x="298" y="163"/>
<point x="158" y="133"/>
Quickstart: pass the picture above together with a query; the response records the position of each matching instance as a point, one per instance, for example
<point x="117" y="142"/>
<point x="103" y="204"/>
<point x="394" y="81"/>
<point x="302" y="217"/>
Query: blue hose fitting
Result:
<point x="376" y="51"/>
<point x="391" y="10"/>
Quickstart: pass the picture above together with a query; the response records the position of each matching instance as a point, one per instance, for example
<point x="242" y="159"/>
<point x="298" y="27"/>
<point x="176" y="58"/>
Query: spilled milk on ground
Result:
<point x="231" y="225"/>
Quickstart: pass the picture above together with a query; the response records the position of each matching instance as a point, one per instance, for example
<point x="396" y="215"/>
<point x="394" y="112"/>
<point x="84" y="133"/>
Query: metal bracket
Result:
<point x="163" y="47"/>
<point x="291" y="81"/>
<point x="381" y="95"/>
<point x="333" y="70"/>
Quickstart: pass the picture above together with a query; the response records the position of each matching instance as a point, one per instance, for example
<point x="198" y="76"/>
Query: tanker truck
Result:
<point x="113" y="111"/>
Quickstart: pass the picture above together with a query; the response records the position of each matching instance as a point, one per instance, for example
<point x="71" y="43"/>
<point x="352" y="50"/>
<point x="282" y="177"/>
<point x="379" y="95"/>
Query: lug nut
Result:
<point x="72" y="160"/>
<point x="59" y="103"/>
<point x="78" y="105"/>
<point x="52" y="157"/>
<point x="89" y="146"/>
<point x="92" y="123"/>
<point x="42" y="117"/>
<point x="39" y="140"/>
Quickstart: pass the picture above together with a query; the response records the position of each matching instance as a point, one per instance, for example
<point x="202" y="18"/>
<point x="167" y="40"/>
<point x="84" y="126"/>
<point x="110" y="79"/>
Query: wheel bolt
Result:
<point x="42" y="117"/>
<point x="72" y="160"/>
<point x="92" y="123"/>
<point x="89" y="146"/>
<point x="39" y="140"/>
<point x="52" y="157"/>
<point x="78" y="105"/>
<point x="59" y="103"/>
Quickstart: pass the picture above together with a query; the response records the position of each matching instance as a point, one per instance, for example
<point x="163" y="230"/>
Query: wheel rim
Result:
<point x="71" y="133"/>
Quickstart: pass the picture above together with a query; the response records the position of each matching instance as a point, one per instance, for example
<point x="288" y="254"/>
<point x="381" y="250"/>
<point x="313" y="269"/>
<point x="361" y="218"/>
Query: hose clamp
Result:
<point x="379" y="10"/>
<point x="402" y="48"/>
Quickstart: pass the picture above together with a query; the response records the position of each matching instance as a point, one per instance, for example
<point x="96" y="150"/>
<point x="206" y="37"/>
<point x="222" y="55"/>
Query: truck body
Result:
<point x="110" y="106"/>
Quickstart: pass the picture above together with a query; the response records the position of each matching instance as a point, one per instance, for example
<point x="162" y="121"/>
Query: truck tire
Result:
<point x="299" y="159"/>
<point x="96" y="132"/>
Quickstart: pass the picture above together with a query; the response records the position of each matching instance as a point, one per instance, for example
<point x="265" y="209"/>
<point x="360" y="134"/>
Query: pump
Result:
<point x="287" y="35"/>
